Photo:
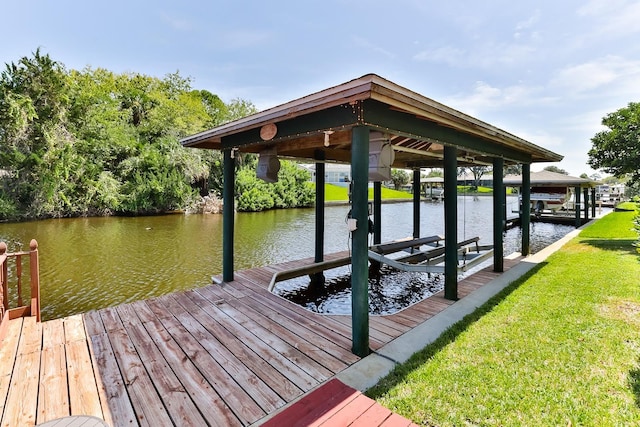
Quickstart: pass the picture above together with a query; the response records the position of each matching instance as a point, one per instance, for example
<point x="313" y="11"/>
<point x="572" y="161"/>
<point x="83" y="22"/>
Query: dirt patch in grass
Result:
<point x="627" y="311"/>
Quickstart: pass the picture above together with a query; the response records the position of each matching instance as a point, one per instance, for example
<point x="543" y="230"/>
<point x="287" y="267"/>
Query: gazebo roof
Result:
<point x="546" y="178"/>
<point x="417" y="127"/>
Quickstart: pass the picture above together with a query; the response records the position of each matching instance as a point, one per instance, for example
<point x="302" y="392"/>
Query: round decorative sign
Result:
<point x="268" y="131"/>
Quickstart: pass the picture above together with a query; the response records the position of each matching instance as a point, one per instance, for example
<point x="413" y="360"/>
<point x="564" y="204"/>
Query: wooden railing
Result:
<point x="12" y="304"/>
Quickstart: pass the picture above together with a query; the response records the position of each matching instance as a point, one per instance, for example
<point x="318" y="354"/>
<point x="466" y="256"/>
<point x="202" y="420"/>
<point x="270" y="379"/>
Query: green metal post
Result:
<point x="377" y="212"/>
<point x="450" y="223"/>
<point x="228" y="212"/>
<point x="498" y="214"/>
<point x="360" y="250"/>
<point x="586" y="203"/>
<point x="577" y="205"/>
<point x="317" y="279"/>
<point x="525" y="209"/>
<point x="504" y="208"/>
<point x="320" y="181"/>
<point x="416" y="203"/>
<point x="374" y="266"/>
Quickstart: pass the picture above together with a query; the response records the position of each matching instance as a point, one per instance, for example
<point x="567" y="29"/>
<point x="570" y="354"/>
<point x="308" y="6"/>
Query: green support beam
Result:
<point x="320" y="181"/>
<point x="374" y="266"/>
<point x="577" y="205"/>
<point x="499" y="219"/>
<point x="525" y="209"/>
<point x="228" y="213"/>
<point x="333" y="117"/>
<point x="450" y="223"/>
<point x="586" y="203"/>
<point x="384" y="117"/>
<point x="317" y="279"/>
<point x="416" y="203"/>
<point x="360" y="249"/>
<point x="377" y="212"/>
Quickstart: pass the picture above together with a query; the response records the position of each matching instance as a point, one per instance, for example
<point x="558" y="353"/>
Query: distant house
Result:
<point x="610" y="195"/>
<point x="486" y="180"/>
<point x="337" y="174"/>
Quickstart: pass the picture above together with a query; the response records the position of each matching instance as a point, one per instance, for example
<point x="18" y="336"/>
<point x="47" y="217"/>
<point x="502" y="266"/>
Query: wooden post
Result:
<point x="450" y="223"/>
<point x="4" y="286"/>
<point x="416" y="203"/>
<point x="525" y="209"/>
<point x="228" y="212"/>
<point x="593" y="203"/>
<point x="360" y="249"/>
<point x="34" y="264"/>
<point x="20" y="302"/>
<point x="498" y="214"/>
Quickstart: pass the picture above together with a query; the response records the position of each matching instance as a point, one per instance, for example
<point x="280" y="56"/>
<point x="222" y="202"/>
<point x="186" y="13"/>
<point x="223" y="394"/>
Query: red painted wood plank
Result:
<point x="374" y="416"/>
<point x="396" y="420"/>
<point x="316" y="406"/>
<point x="348" y="413"/>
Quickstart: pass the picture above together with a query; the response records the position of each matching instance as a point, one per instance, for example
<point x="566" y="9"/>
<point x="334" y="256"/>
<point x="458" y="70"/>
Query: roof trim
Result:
<point x="372" y="86"/>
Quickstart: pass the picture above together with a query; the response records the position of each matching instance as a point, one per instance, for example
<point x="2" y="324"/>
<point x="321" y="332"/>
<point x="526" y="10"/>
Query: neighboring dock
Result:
<point x="232" y="354"/>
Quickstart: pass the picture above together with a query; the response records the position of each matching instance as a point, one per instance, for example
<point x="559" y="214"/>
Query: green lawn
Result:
<point x="334" y="193"/>
<point x="559" y="347"/>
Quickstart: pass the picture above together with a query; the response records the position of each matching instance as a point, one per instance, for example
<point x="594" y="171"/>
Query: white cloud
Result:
<point x="486" y="56"/>
<point x="239" y="39"/>
<point x="376" y="49"/>
<point x="177" y="23"/>
<point x="485" y="96"/>
<point x="527" y="25"/>
<point x="614" y="18"/>
<point x="543" y="139"/>
<point x="609" y="70"/>
<point x="445" y="54"/>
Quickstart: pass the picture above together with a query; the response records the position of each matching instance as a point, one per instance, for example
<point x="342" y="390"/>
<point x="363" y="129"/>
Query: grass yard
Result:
<point x="559" y="347"/>
<point x="335" y="193"/>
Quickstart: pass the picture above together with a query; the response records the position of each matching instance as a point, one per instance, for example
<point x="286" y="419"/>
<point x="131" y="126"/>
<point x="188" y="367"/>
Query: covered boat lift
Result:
<point x="544" y="184"/>
<point x="372" y="124"/>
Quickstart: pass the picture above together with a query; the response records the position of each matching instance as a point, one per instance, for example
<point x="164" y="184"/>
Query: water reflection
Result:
<point x="389" y="292"/>
<point x="90" y="263"/>
<point x="395" y="289"/>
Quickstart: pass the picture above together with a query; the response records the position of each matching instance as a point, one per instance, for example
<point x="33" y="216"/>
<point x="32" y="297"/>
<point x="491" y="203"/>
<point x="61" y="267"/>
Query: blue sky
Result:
<point x="547" y="71"/>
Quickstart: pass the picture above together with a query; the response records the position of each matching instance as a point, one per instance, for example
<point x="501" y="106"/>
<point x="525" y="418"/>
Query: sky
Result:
<point x="546" y="71"/>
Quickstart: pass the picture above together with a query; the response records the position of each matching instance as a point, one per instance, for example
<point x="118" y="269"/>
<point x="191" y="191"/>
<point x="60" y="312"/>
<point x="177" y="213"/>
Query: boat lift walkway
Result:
<point x="232" y="354"/>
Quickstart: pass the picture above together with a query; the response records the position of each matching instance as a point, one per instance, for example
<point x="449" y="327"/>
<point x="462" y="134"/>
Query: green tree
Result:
<point x="513" y="169"/>
<point x="616" y="150"/>
<point x="239" y="108"/>
<point x="477" y="172"/>
<point x="93" y="142"/>
<point x="33" y="122"/>
<point x="435" y="173"/>
<point x="399" y="177"/>
<point x="293" y="189"/>
<point x="556" y="169"/>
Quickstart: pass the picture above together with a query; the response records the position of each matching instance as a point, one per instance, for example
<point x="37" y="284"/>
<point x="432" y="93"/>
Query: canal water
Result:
<point x="91" y="263"/>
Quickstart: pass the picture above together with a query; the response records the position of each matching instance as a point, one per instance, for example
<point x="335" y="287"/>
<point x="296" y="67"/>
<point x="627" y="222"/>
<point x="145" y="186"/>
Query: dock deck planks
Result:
<point x="228" y="355"/>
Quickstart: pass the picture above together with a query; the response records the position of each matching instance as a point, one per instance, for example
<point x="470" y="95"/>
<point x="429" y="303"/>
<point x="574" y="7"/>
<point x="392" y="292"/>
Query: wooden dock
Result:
<point x="227" y="355"/>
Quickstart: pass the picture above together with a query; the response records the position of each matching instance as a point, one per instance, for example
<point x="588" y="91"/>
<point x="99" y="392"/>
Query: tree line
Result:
<point x="94" y="142"/>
